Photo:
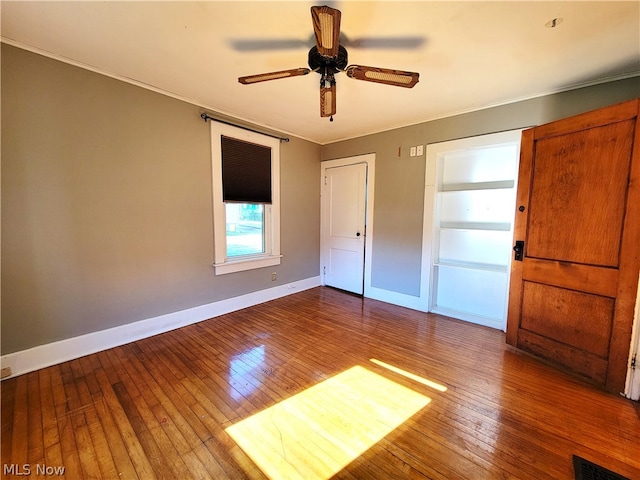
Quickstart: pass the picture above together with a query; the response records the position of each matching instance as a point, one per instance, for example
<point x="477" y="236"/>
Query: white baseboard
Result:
<point x="396" y="298"/>
<point x="42" y="356"/>
<point x="496" y="323"/>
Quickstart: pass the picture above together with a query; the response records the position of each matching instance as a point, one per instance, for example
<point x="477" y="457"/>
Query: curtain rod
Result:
<point x="206" y="117"/>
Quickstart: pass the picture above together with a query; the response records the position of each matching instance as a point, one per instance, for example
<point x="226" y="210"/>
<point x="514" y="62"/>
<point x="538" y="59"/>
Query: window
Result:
<point x="245" y="229"/>
<point x="246" y="199"/>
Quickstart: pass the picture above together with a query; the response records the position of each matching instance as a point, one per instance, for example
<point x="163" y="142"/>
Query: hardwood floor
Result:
<point x="171" y="406"/>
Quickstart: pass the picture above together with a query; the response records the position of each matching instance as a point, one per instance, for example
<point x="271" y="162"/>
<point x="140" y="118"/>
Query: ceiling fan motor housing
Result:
<point x="320" y="63"/>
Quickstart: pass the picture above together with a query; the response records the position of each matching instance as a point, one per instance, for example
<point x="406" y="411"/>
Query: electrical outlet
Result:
<point x="274" y="275"/>
<point x="420" y="150"/>
<point x="413" y="151"/>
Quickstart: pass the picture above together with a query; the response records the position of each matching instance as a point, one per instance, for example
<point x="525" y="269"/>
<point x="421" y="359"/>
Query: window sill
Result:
<point x="246" y="264"/>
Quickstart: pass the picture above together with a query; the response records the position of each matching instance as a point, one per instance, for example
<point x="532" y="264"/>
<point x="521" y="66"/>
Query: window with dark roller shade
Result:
<point x="246" y="171"/>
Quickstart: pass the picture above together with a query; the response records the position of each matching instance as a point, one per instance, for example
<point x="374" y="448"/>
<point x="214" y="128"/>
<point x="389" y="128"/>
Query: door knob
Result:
<point x="357" y="234"/>
<point x="519" y="249"/>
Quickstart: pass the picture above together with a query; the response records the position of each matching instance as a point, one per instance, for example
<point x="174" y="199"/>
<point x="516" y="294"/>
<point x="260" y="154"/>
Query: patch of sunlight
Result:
<point x="319" y="431"/>
<point x="404" y="373"/>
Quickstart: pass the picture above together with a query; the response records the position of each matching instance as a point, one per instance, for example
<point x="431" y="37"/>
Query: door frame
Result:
<point x="632" y="386"/>
<point x="370" y="160"/>
<point x="435" y="152"/>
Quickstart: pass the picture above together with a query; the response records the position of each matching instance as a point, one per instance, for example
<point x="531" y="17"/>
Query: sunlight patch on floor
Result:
<point x="417" y="378"/>
<point x="316" y="433"/>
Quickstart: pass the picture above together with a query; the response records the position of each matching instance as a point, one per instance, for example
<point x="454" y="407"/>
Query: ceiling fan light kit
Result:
<point x="328" y="58"/>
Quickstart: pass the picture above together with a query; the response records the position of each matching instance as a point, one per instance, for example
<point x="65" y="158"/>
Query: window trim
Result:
<point x="222" y="264"/>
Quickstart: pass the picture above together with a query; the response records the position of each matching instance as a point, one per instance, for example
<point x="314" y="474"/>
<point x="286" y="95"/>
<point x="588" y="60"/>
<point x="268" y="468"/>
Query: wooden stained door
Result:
<point x="573" y="291"/>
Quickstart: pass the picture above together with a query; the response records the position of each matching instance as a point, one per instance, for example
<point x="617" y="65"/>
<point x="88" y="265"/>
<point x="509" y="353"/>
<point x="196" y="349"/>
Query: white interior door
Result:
<point x="344" y="210"/>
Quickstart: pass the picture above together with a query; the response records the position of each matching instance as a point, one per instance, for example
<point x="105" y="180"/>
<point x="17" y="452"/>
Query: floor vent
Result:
<point x="585" y="470"/>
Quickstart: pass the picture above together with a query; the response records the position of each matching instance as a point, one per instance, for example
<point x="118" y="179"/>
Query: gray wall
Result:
<point x="106" y="205"/>
<point x="106" y="199"/>
<point x="399" y="188"/>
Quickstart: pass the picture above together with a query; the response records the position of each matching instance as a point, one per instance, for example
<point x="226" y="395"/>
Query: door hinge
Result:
<point x="633" y="362"/>
<point x="324" y="270"/>
<point x="325" y="180"/>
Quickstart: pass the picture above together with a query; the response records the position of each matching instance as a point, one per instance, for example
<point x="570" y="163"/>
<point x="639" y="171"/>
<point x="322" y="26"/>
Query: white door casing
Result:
<point x="632" y="389"/>
<point x="463" y="258"/>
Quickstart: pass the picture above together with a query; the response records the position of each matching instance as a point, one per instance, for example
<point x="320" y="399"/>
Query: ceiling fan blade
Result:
<point x="383" y="43"/>
<point x="268" y="44"/>
<point x="326" y="26"/>
<point x="387" y="76"/>
<point x="328" y="101"/>
<point x="263" y="77"/>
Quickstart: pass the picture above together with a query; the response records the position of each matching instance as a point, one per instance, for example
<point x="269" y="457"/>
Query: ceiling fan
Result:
<point x="328" y="58"/>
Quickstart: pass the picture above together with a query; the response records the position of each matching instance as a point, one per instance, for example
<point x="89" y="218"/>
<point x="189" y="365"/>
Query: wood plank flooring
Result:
<point x="160" y="407"/>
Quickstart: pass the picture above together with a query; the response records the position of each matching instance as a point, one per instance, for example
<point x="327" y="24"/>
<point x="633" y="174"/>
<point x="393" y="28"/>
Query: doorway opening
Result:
<point x="470" y="192"/>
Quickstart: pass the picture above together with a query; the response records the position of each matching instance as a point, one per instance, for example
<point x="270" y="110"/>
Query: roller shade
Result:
<point x="246" y="171"/>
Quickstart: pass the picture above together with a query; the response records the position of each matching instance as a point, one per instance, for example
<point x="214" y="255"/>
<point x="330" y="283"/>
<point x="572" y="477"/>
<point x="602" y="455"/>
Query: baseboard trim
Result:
<point x="396" y="298"/>
<point x="498" y="324"/>
<point x="42" y="356"/>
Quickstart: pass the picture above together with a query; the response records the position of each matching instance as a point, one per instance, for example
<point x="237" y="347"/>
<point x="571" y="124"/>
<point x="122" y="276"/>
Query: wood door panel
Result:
<point x="574" y="318"/>
<point x="572" y="217"/>
<point x="595" y="118"/>
<point x="572" y="297"/>
<point x="600" y="281"/>
<point x="589" y="365"/>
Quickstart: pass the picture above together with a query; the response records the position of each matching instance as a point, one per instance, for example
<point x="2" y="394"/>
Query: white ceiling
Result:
<point x="470" y="55"/>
